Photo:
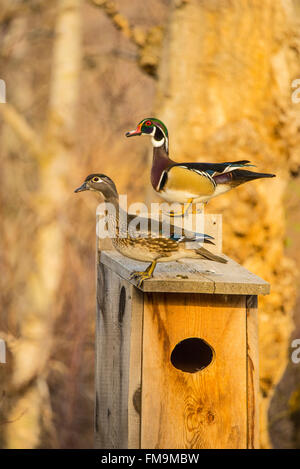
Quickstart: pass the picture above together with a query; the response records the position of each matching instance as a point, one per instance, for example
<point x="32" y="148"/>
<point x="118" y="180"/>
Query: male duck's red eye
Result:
<point x="148" y="123"/>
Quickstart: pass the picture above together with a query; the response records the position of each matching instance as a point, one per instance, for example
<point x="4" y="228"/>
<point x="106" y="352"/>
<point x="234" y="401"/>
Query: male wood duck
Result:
<point x="158" y="242"/>
<point x="189" y="183"/>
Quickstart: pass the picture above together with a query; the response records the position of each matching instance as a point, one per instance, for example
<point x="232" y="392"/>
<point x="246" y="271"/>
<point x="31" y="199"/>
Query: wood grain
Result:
<point x="103" y="244"/>
<point x="207" y="409"/>
<point x="117" y="355"/>
<point x="252" y="372"/>
<point x="192" y="276"/>
<point x="135" y="369"/>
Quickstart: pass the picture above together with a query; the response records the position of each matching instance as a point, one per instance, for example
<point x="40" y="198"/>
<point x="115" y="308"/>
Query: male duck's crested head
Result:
<point x="155" y="128"/>
<point x="99" y="183"/>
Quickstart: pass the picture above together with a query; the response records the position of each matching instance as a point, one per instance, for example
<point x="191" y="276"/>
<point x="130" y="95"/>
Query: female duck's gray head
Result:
<point x="99" y="183"/>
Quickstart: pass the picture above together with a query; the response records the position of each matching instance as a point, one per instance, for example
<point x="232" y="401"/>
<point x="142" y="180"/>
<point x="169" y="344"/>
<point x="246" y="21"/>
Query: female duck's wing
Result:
<point x="142" y="227"/>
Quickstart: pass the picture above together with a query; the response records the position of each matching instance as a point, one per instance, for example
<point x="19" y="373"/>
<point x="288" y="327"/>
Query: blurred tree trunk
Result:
<point x="53" y="153"/>
<point x="224" y="91"/>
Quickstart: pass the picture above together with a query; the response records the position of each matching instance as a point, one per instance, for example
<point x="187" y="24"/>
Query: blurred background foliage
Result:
<point x="79" y="74"/>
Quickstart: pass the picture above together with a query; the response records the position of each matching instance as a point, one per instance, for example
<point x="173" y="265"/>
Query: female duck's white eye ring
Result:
<point x="96" y="179"/>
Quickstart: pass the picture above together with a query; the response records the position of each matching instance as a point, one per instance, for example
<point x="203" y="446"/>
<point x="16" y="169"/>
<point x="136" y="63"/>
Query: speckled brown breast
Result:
<point x="148" y="245"/>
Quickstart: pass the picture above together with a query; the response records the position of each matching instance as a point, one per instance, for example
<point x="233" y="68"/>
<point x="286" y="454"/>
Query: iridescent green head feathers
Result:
<point x="155" y="128"/>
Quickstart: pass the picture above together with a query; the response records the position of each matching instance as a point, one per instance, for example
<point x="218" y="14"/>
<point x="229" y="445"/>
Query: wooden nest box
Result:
<point x="177" y="360"/>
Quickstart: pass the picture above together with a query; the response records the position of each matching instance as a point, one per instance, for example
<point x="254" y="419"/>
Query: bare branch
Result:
<point x="21" y="127"/>
<point x="135" y="35"/>
<point x="148" y="42"/>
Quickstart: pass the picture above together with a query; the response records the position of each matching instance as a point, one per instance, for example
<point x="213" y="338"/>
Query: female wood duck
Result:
<point x="189" y="182"/>
<point x="159" y="244"/>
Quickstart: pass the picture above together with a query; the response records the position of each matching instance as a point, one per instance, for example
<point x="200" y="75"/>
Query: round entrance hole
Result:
<point x="192" y="355"/>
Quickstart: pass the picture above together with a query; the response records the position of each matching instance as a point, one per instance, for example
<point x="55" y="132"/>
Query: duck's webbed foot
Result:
<point x="140" y="276"/>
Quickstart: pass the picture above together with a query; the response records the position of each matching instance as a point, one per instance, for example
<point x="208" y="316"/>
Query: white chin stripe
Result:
<point x="157" y="143"/>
